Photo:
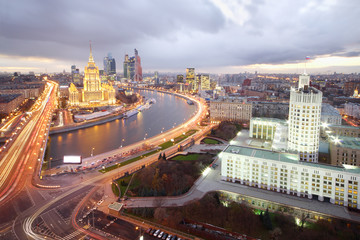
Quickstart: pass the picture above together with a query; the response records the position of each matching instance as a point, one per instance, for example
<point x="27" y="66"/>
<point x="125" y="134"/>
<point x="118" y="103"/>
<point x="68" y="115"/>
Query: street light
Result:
<point x="92" y="151"/>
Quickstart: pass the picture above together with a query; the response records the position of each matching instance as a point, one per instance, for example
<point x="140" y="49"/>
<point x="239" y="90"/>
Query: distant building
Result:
<point x="205" y="82"/>
<point x="109" y="65"/>
<point x="247" y="83"/>
<point x="156" y="77"/>
<point x="132" y="67"/>
<point x="9" y="102"/>
<point x="284" y="173"/>
<point x="94" y="92"/>
<point x="230" y="109"/>
<point x="352" y="109"/>
<point x="304" y="120"/>
<point x="180" y="78"/>
<point x="190" y="76"/>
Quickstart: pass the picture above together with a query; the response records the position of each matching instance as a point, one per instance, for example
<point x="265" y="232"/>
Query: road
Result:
<point x="23" y="153"/>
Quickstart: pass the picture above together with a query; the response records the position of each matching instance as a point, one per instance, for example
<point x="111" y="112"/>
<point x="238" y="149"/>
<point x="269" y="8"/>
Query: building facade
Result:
<point x="283" y="172"/>
<point x="352" y="109"/>
<point x="264" y="128"/>
<point x="304" y="120"/>
<point x="94" y="92"/>
<point x="230" y="109"/>
<point x="344" y="150"/>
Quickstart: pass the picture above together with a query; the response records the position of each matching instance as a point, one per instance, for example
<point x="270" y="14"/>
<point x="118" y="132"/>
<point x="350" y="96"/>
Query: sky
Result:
<point x="213" y="36"/>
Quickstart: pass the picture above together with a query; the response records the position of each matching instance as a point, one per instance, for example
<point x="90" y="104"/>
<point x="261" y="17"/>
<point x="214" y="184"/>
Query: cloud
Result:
<point x="207" y="34"/>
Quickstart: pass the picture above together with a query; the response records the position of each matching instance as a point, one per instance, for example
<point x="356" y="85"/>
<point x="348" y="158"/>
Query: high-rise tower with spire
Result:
<point x="93" y="92"/>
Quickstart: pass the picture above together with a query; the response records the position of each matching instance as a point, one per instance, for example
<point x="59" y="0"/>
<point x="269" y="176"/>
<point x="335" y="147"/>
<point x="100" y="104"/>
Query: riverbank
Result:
<point x="105" y="119"/>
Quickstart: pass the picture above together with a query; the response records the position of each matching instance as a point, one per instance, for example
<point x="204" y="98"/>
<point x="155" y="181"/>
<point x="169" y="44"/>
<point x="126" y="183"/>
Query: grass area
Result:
<point x="163" y="146"/>
<point x="211" y="141"/>
<point x="189" y="157"/>
<point x="112" y="167"/>
<point x="123" y="183"/>
<point x="178" y="139"/>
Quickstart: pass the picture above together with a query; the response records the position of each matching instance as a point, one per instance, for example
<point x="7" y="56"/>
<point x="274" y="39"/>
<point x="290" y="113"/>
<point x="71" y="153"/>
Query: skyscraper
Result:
<point x="156" y="77"/>
<point x="304" y="120"/>
<point x="205" y="82"/>
<point x="109" y="65"/>
<point x="190" y="76"/>
<point x="132" y="67"/>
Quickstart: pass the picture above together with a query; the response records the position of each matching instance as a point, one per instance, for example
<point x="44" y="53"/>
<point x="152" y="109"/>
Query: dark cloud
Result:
<point x="177" y="34"/>
<point x="347" y="54"/>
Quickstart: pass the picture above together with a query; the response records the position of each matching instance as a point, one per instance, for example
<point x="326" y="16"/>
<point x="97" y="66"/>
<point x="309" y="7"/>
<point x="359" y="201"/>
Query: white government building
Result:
<point x="283" y="172"/>
<point x="304" y="120"/>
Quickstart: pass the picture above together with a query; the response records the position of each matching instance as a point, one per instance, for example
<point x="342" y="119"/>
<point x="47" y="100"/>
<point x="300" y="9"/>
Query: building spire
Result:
<point x="91" y="59"/>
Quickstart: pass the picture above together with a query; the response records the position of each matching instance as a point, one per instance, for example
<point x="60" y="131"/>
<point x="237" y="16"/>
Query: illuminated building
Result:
<point x="180" y="78"/>
<point x="190" y="76"/>
<point x="205" y="82"/>
<point x="132" y="67"/>
<point x="284" y="173"/>
<point x="94" y="92"/>
<point x="304" y="120"/>
<point x="230" y="109"/>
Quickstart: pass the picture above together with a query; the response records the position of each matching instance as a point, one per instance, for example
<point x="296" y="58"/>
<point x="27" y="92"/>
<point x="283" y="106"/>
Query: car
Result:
<point x="160" y="234"/>
<point x="169" y="237"/>
<point x="164" y="236"/>
<point x="148" y="230"/>
<point x="156" y="233"/>
<point x="152" y="232"/>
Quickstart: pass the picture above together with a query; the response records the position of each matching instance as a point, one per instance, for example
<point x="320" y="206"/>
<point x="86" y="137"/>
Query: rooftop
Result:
<point x="6" y="98"/>
<point x="347" y="142"/>
<point x="272" y="120"/>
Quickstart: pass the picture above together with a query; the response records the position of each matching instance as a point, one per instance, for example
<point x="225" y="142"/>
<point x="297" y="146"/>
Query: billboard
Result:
<point x="72" y="160"/>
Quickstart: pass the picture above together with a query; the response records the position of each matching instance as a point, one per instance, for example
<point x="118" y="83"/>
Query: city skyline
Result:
<point x="212" y="36"/>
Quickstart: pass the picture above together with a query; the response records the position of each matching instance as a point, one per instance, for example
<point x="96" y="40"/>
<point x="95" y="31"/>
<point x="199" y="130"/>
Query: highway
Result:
<point x="23" y="151"/>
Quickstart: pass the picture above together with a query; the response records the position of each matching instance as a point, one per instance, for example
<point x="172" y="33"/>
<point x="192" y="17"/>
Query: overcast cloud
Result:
<point x="173" y="35"/>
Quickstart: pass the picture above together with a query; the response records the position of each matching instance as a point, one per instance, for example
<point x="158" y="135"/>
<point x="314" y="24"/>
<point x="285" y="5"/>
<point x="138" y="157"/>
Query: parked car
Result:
<point x="160" y="234"/>
<point x="169" y="237"/>
<point x="164" y="236"/>
<point x="156" y="233"/>
<point x="152" y="231"/>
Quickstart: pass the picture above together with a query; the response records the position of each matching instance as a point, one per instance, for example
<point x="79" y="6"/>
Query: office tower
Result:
<point x="109" y="65"/>
<point x="205" y="82"/>
<point x="190" y="76"/>
<point x="73" y="68"/>
<point x="126" y="66"/>
<point x="132" y="67"/>
<point x="304" y="120"/>
<point x="180" y="78"/>
<point x="156" y="77"/>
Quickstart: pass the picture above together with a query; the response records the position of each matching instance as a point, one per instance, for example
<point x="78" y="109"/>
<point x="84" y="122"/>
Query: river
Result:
<point x="168" y="112"/>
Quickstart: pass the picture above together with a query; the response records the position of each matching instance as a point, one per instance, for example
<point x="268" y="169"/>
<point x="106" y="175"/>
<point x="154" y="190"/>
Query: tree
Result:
<point x="267" y="220"/>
